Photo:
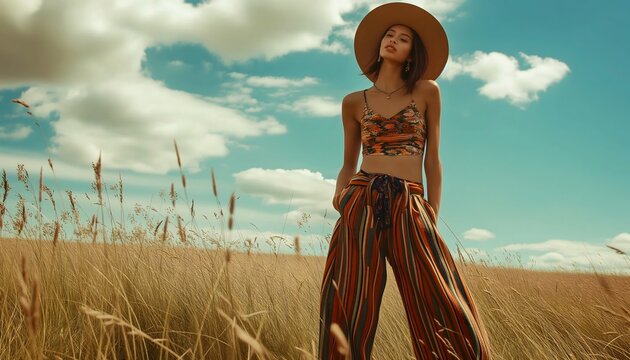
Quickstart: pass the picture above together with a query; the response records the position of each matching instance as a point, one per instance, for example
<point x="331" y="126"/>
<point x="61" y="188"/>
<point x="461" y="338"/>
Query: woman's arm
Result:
<point x="432" y="163"/>
<point x="352" y="144"/>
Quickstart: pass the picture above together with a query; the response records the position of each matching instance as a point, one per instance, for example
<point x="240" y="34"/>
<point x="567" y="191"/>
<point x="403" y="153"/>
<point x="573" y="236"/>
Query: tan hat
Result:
<point x="373" y="26"/>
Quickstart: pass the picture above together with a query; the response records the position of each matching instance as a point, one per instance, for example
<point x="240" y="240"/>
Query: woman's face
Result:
<point x="396" y="44"/>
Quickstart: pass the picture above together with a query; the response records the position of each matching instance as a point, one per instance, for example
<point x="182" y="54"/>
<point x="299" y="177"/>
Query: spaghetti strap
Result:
<point x="365" y="99"/>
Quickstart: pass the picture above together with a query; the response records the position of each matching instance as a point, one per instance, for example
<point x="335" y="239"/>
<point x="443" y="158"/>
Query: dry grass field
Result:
<point x="95" y="301"/>
<point x="144" y="293"/>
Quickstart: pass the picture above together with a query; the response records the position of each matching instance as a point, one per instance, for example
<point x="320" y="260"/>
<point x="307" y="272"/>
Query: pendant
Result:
<point x="388" y="96"/>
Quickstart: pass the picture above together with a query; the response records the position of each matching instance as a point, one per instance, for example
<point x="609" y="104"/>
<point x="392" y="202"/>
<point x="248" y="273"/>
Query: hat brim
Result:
<point x="370" y="31"/>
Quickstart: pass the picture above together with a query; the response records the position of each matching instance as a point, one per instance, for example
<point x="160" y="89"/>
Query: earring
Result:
<point x="379" y="59"/>
<point x="407" y="68"/>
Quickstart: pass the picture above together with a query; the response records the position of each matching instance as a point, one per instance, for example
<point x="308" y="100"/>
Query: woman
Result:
<point x="401" y="48"/>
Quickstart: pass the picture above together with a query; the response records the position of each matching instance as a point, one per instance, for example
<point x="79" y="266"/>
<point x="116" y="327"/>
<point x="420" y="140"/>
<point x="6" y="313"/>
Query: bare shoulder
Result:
<point x="353" y="98"/>
<point x="427" y="88"/>
<point x="352" y="105"/>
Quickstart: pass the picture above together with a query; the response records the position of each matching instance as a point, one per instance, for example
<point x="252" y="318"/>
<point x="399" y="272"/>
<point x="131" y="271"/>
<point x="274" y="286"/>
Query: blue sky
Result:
<point x="534" y="144"/>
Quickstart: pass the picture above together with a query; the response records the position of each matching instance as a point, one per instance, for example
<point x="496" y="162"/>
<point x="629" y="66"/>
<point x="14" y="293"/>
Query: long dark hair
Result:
<point x="418" y="64"/>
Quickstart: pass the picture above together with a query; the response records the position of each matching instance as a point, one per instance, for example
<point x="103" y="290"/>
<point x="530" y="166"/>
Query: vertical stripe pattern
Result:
<point x="387" y="218"/>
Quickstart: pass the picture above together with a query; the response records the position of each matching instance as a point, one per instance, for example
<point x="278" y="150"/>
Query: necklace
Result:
<point x="389" y="94"/>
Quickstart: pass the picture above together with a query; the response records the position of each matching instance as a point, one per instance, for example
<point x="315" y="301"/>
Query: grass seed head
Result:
<point x="179" y="161"/>
<point x="181" y="229"/>
<point x="214" y="184"/>
<point x="343" y="347"/>
<point x="296" y="242"/>
<point x="56" y="235"/>
<point x="173" y="194"/>
<point x="69" y="192"/>
<point x="5" y="186"/>
<point x="232" y="203"/>
<point x="164" y="230"/>
<point x="120" y="188"/>
<point x="97" y="179"/>
<point x="41" y="183"/>
<point x="617" y="250"/>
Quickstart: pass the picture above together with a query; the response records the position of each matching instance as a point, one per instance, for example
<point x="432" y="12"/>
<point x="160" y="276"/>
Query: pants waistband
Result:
<point x="364" y="178"/>
<point x="387" y="188"/>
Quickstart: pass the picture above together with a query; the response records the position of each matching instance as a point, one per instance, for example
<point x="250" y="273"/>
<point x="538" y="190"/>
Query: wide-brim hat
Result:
<point x="371" y="29"/>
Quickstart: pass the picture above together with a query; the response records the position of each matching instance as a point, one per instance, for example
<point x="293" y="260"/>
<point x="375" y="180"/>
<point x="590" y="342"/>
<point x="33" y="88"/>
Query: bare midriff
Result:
<point x="408" y="167"/>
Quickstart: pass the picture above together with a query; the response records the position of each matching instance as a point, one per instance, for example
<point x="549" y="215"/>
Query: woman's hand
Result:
<point x="335" y="201"/>
<point x="432" y="208"/>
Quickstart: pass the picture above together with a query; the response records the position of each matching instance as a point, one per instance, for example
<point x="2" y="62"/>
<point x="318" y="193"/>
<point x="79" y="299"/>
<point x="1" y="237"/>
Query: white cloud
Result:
<point x="323" y="106"/>
<point x="10" y="158"/>
<point x="569" y="254"/>
<point x="478" y="234"/>
<point x="303" y="189"/>
<point x="75" y="36"/>
<point x="64" y="42"/>
<point x="621" y="242"/>
<point x="19" y="132"/>
<point x="441" y="9"/>
<point x="280" y="93"/>
<point x="239" y="90"/>
<point x="346" y="31"/>
<point x="281" y="82"/>
<point x="503" y="78"/>
<point x="237" y="95"/>
<point x="335" y="47"/>
<point x="237" y="75"/>
<point x="133" y="123"/>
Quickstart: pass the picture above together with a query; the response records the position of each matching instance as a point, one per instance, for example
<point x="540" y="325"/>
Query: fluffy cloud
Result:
<point x="73" y="37"/>
<point x="323" y="106"/>
<point x="18" y="132"/>
<point x="282" y="82"/>
<point x="10" y="158"/>
<point x="621" y="242"/>
<point x="133" y="123"/>
<point x="441" y="9"/>
<point x="92" y="39"/>
<point x="239" y="91"/>
<point x="504" y="79"/>
<point x="478" y="234"/>
<point x="307" y="191"/>
<point x="569" y="254"/>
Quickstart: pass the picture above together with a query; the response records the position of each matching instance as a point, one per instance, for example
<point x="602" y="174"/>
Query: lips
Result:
<point x="390" y="47"/>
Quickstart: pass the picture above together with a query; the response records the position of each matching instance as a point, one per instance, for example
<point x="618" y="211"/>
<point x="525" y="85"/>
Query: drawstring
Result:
<point x="387" y="187"/>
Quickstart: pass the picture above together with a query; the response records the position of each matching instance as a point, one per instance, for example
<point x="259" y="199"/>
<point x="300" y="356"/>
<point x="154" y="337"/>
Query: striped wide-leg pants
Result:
<point x="386" y="217"/>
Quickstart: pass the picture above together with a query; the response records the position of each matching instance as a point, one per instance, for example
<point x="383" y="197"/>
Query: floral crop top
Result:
<point x="402" y="134"/>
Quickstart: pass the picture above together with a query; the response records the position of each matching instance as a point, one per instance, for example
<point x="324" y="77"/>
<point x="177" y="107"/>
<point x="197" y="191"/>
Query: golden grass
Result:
<point x="159" y="302"/>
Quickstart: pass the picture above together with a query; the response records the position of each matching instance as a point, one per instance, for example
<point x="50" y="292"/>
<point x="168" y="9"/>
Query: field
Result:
<point x="96" y="301"/>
